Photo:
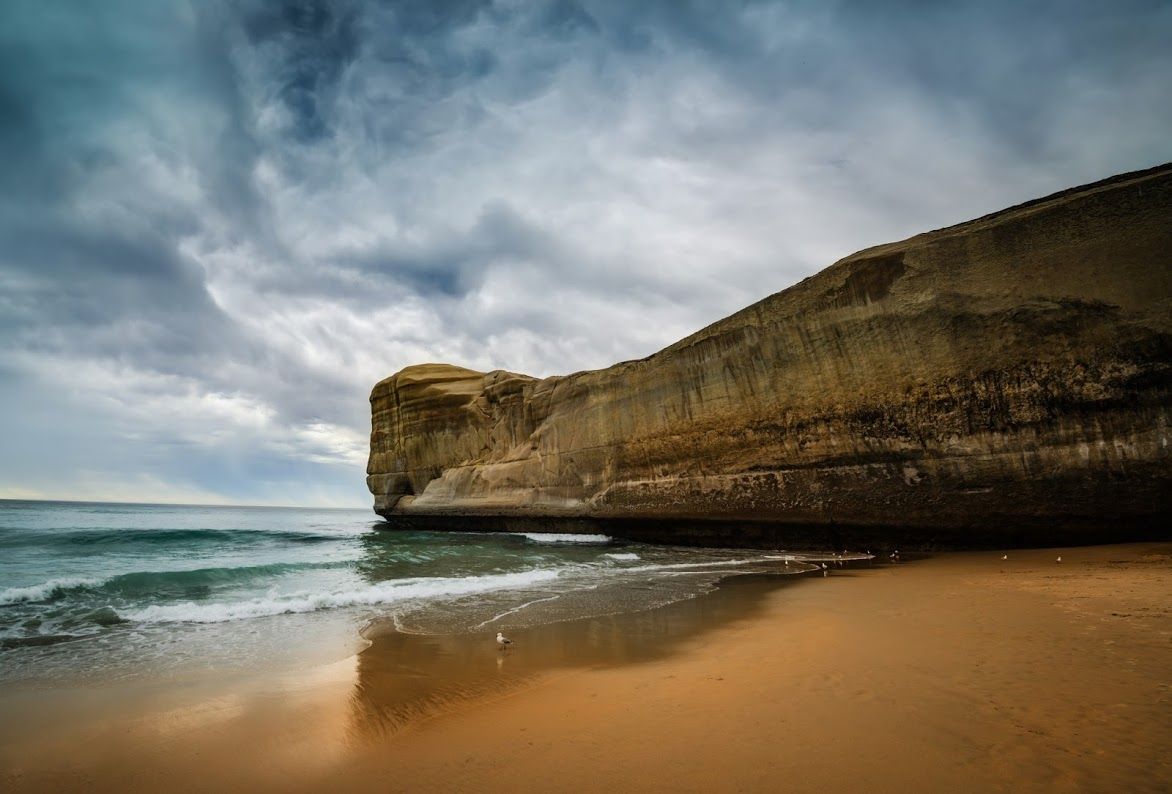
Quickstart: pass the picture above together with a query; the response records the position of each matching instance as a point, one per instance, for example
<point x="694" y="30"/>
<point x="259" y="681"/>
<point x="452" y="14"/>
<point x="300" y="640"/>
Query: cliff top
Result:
<point x="855" y="280"/>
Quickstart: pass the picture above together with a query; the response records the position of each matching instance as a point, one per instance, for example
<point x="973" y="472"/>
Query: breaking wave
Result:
<point x="46" y="590"/>
<point x="155" y="583"/>
<point x="389" y="592"/>
<point x="560" y="537"/>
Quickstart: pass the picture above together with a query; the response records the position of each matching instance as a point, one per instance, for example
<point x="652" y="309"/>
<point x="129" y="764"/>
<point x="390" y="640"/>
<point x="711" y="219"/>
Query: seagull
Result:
<point x="503" y="641"/>
<point x="1059" y="558"/>
<point x="1005" y="556"/>
<point x="825" y="571"/>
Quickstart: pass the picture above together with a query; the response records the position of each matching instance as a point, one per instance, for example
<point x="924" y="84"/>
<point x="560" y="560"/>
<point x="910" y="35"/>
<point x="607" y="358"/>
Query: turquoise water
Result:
<point x="108" y="590"/>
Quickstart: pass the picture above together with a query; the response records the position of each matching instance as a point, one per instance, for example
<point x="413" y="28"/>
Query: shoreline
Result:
<point x="954" y="671"/>
<point x="736" y="530"/>
<point x="467" y="667"/>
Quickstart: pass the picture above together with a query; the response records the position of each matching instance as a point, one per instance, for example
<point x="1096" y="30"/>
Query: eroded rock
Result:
<point x="1004" y="379"/>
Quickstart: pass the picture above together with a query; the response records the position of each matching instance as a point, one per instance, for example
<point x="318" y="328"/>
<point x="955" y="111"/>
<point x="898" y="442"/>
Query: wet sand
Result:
<point x="959" y="672"/>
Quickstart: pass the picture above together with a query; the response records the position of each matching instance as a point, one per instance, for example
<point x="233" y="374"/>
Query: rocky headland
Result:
<point x="1005" y="381"/>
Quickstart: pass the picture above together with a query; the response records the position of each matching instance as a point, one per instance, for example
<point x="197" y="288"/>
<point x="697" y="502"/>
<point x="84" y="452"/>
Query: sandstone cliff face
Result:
<point x="1006" y="377"/>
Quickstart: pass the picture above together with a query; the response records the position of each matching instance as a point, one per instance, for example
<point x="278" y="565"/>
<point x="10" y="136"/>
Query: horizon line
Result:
<point x="183" y="504"/>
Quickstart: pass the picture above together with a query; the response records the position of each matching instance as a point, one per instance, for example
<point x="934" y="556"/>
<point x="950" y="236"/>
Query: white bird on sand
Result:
<point x="1059" y="558"/>
<point x="502" y="640"/>
<point x="1005" y="556"/>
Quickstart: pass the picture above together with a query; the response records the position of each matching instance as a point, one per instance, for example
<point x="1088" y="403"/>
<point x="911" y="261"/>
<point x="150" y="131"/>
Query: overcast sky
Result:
<point x="222" y="222"/>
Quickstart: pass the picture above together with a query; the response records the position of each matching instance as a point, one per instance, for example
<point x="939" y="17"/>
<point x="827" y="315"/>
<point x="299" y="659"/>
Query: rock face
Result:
<point x="1004" y="380"/>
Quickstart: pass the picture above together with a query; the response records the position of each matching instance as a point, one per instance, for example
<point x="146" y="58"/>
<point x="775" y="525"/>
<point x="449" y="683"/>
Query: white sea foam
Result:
<point x="672" y="566"/>
<point x="561" y="537"/>
<point x="823" y="556"/>
<point x="382" y="593"/>
<point x="517" y="609"/>
<point x="625" y="555"/>
<point x="39" y="592"/>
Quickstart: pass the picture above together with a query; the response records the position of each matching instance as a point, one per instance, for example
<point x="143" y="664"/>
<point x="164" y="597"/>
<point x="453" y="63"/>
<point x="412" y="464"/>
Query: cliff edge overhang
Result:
<point x="1009" y="376"/>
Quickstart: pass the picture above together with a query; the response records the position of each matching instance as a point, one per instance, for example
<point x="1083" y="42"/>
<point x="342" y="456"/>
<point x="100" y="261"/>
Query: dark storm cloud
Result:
<point x="72" y="219"/>
<point x="454" y="263"/>
<point x="313" y="43"/>
<point x="220" y="222"/>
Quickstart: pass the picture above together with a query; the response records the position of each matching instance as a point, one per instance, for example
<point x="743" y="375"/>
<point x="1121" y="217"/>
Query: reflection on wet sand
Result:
<point x="402" y="678"/>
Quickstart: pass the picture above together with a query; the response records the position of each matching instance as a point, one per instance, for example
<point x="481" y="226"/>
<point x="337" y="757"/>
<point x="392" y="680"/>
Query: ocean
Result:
<point x="98" y="591"/>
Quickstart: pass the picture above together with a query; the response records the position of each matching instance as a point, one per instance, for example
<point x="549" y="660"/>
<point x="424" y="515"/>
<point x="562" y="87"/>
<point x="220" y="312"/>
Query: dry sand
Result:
<point x="960" y="673"/>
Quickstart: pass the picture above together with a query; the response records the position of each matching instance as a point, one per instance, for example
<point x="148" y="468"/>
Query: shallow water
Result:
<point x="112" y="590"/>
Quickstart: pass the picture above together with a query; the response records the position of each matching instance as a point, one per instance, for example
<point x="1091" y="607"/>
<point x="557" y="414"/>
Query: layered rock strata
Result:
<point x="1004" y="380"/>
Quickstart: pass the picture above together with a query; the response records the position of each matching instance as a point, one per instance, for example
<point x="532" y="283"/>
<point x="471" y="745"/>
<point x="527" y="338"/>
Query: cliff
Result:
<point x="1004" y="380"/>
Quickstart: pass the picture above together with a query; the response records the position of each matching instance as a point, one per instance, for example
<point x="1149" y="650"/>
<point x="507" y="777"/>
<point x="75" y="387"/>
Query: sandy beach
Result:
<point x="958" y="672"/>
